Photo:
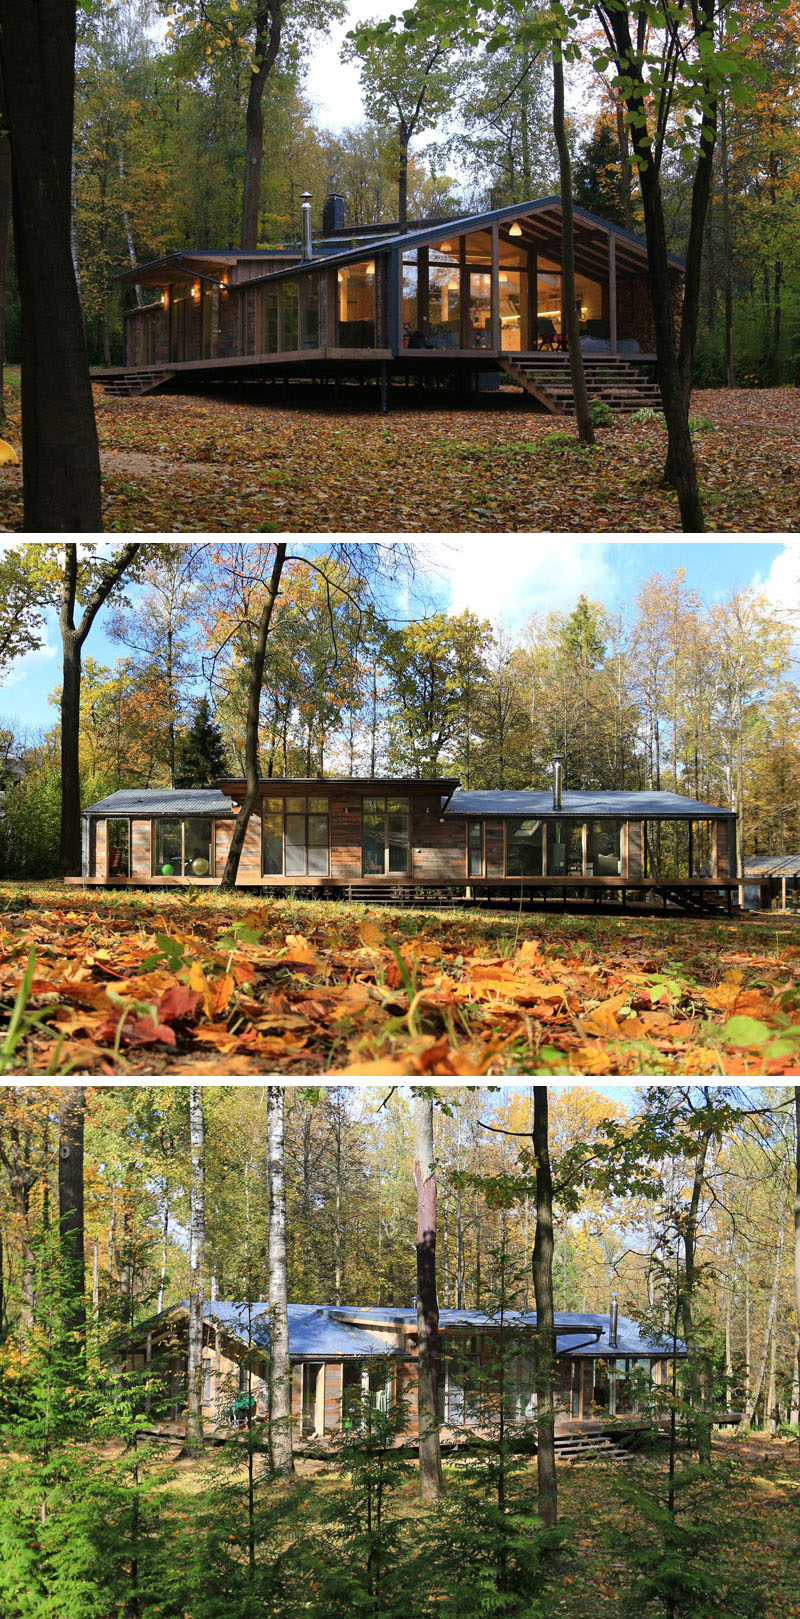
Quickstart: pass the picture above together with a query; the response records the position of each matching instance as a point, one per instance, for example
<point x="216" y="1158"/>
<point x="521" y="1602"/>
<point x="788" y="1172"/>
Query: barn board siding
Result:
<point x="438" y="849"/>
<point x="334" y="1382"/>
<point x="345" y="835"/>
<point x="101" y="848"/>
<point x="494" y="847"/>
<point x="635" y="857"/>
<point x="141" y="849"/>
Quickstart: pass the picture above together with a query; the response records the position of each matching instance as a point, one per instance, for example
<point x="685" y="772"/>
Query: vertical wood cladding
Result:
<point x="250" y="863"/>
<point x="345" y="834"/>
<point x="635" y="856"/>
<point x="723" y="848"/>
<point x="101" y="848"/>
<point x="495" y="854"/>
<point x="141" y="848"/>
<point x="438" y="848"/>
<point x="334" y="1383"/>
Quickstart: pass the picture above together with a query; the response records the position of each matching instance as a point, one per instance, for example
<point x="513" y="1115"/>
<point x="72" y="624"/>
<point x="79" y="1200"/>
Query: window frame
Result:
<point x="124" y="820"/>
<point x="385" y="799"/>
<point x="181" y="820"/>
<point x="473" y="823"/>
<point x="308" y="815"/>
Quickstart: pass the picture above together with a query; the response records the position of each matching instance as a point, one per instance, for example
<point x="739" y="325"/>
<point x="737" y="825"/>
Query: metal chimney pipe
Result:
<point x="308" y="251"/>
<point x="613" y="1321"/>
<point x="557" y="774"/>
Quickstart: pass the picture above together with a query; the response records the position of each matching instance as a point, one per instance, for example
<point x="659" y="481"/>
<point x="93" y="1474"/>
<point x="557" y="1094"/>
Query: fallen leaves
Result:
<point x="173" y="464"/>
<point x="125" y="983"/>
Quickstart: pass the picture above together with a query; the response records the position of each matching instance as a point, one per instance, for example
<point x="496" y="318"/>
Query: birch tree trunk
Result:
<point x="545" y="1341"/>
<point x="797" y="1225"/>
<point x="769" y="1328"/>
<point x="193" y="1432"/>
<point x="255" y="684"/>
<point x="430" y="1462"/>
<point x="701" y="1422"/>
<point x="280" y="1382"/>
<point x="70" y="1214"/>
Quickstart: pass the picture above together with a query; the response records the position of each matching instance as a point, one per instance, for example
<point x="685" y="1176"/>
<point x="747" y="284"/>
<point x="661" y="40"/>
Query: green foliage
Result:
<point x="600" y="413"/>
<point x="200" y="754"/>
<point x="648" y="414"/>
<point x="30" y="823"/>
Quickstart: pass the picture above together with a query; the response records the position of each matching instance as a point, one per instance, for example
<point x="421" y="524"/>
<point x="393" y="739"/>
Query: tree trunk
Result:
<point x="5" y="232"/>
<point x="700" y="1420"/>
<point x="581" y="397"/>
<point x="797" y="1220"/>
<point x="545" y="1341"/>
<point x="726" y="239"/>
<point x="755" y="1394"/>
<point x="72" y="640"/>
<point x="624" y="163"/>
<point x="428" y="1355"/>
<point x="162" y="1280"/>
<point x="269" y="23"/>
<point x="402" y="177"/>
<point x="70" y="1215"/>
<point x="280" y="1382"/>
<point x="251" y="728"/>
<point x="193" y="1431"/>
<point x="60" y="460"/>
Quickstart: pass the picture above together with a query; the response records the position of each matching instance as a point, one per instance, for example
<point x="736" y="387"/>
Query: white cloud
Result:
<point x="782" y="584"/>
<point x="22" y="668"/>
<point x="511" y="579"/>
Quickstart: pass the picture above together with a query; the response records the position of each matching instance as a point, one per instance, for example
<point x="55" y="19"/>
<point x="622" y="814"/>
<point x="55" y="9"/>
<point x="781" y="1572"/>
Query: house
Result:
<point x="466" y="301"/>
<point x="772" y="881"/>
<point x="402" y="838"/>
<point x="605" y="1363"/>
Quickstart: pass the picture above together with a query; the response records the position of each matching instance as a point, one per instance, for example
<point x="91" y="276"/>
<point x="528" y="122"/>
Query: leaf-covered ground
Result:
<point x="186" y="983"/>
<point x="183" y="464"/>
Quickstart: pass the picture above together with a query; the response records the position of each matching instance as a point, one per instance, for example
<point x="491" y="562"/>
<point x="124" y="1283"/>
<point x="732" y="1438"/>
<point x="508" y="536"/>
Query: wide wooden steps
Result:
<point x="586" y="1447"/>
<point x="125" y="383"/>
<point x="615" y="380"/>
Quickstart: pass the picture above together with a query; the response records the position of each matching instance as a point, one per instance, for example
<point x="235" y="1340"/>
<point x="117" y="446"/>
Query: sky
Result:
<point x="505" y="579"/>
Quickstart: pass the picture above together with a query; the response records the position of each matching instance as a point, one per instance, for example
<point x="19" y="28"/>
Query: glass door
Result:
<point x="385" y="837"/>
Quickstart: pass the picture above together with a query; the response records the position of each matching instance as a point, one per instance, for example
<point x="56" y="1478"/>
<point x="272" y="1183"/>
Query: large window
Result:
<point x="564" y="848"/>
<point x="604" y="848"/>
<point x="385" y="846"/>
<point x="309" y="312"/>
<point x="183" y="848"/>
<point x="524" y="848"/>
<point x="475" y="848"/>
<point x="514" y="309"/>
<point x="268" y="320"/>
<point x="356" y="301"/>
<point x="119" y="848"/>
<point x="290" y="293"/>
<point x="295" y="839"/>
<point x="666" y="849"/>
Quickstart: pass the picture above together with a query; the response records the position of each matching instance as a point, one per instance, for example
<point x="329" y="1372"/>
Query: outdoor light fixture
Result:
<point x="515" y="229"/>
<point x="196" y="290"/>
<point x="446" y="247"/>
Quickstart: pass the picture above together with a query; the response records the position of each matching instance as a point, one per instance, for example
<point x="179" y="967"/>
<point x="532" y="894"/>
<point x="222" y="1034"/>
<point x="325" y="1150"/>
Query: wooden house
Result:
<point x="605" y="1365"/>
<point x="465" y="301"/>
<point x="374" y="837"/>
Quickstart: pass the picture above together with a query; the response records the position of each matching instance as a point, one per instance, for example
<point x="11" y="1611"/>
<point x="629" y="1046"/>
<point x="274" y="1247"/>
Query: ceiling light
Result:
<point x="515" y="229"/>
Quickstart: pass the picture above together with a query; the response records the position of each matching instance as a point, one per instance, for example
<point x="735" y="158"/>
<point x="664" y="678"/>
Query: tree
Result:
<point x="428" y="1352"/>
<point x="60" y="455"/>
<point x="22" y="600"/>
<point x="280" y="1374"/>
<point x="570" y="314"/>
<point x="406" y="81"/>
<point x="545" y="1344"/>
<point x="193" y="1429"/>
<point x="200" y="758"/>
<point x="797" y="1225"/>
<point x="599" y="174"/>
<point x="160" y="628"/>
<point x="70" y="1214"/>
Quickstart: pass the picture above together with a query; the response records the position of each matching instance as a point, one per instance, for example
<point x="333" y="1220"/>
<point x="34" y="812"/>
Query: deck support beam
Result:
<point x="612" y="292"/>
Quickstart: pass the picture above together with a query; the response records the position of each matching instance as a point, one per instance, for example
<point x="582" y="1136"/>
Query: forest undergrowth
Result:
<point x="197" y="983"/>
<point x="182" y="464"/>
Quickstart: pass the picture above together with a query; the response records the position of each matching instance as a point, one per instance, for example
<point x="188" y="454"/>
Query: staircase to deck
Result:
<point x="608" y="377"/>
<point x="586" y="1447"/>
<point x="123" y="384"/>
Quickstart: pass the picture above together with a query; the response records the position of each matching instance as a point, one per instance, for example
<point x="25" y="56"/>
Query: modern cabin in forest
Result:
<point x="606" y="1364"/>
<point x="406" y="839"/>
<point x="468" y="302"/>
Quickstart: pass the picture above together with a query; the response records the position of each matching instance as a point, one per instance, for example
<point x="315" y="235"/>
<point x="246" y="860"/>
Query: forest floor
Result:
<point x="750" y="1501"/>
<point x="191" y="982"/>
<point x="175" y="464"/>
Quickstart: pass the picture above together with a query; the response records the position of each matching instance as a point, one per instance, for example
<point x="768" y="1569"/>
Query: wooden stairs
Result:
<point x="587" y="1447"/>
<point x="608" y="377"/>
<point x="123" y="384"/>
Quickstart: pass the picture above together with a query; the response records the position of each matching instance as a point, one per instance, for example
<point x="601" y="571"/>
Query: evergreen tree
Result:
<point x="201" y="751"/>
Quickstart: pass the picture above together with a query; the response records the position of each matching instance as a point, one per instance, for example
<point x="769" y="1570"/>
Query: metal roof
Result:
<point x="594" y="803"/>
<point x="163" y="801"/>
<point x="772" y="865"/>
<point x="317" y="1331"/>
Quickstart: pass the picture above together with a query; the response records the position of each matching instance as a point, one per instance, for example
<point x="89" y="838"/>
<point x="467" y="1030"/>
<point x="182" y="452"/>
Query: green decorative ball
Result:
<point x="167" y="870"/>
<point x="200" y="868"/>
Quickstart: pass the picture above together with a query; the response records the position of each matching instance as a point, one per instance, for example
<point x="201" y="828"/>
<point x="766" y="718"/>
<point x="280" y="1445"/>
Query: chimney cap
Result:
<point x="305" y="196"/>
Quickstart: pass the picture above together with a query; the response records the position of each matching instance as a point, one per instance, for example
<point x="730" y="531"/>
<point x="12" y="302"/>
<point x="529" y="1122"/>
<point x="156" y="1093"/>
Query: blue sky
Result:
<point x="503" y="579"/>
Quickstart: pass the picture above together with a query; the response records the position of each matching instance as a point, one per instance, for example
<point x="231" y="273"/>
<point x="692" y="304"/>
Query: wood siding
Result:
<point x="438" y="849"/>
<point x="141" y="849"/>
<point x="101" y="849"/>
<point x="345" y="834"/>
<point x="494" y="848"/>
<point x="634" y="859"/>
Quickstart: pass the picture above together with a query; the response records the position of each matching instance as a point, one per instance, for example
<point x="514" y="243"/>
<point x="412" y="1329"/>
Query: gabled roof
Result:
<point x="594" y="803"/>
<point x="163" y="801"/>
<point x="772" y="865"/>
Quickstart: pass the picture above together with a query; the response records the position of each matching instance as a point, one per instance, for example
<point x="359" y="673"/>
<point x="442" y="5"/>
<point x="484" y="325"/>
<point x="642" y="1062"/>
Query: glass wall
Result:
<point x="480" y="309"/>
<point x="666" y="849"/>
<point x="180" y="303"/>
<point x="183" y="848"/>
<point x="289" y="315"/>
<point x="604" y="848"/>
<point x="564" y="848"/>
<point x="474" y="848"/>
<point x="412" y="315"/>
<point x="295" y="836"/>
<point x="524" y="848"/>
<point x="268" y="320"/>
<point x="119" y="848"/>
<point x="514" y="332"/>
<point x="309" y="311"/>
<point x="444" y="296"/>
<point x="385" y="836"/>
<point x="356" y="306"/>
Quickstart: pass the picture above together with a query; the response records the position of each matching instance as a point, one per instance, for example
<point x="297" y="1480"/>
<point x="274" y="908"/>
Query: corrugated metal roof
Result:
<point x="631" y="1339"/>
<point x="314" y="1330"/>
<point x="772" y="865"/>
<point x="540" y="802"/>
<point x="163" y="801"/>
